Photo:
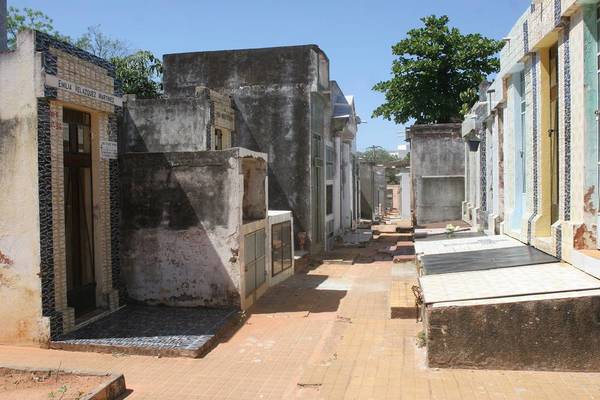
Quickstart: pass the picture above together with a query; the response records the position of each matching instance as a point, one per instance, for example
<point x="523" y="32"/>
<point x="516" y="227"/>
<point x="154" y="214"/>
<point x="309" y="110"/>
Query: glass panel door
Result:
<point x="78" y="199"/>
<point x="254" y="261"/>
<point x="281" y="247"/>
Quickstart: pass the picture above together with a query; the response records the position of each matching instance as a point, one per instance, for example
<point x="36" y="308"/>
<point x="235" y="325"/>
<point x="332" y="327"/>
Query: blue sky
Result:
<point x="357" y="35"/>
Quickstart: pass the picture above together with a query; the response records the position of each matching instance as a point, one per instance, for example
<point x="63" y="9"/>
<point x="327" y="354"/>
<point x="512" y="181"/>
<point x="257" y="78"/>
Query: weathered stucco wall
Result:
<point x="271" y="90"/>
<point x="166" y="125"/>
<point x="437" y="166"/>
<point x="20" y="289"/>
<point x="182" y="214"/>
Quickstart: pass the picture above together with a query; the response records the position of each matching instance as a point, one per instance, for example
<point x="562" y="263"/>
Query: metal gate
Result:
<point x="254" y="261"/>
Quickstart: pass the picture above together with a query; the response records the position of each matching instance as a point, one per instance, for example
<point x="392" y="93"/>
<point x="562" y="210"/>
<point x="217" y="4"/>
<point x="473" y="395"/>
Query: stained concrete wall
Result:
<point x="20" y="289"/>
<point x="166" y="125"/>
<point x="271" y="89"/>
<point x="437" y="163"/>
<point x="551" y="334"/>
<point x="181" y="228"/>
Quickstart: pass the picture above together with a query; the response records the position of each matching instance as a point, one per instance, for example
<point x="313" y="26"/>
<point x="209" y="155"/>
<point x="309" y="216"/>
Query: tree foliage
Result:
<point x="99" y="44"/>
<point x="379" y="156"/>
<point x="18" y="19"/>
<point x="435" y="64"/>
<point x="140" y="72"/>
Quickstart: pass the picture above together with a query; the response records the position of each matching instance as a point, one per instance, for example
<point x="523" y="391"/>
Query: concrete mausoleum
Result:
<point x="437" y="172"/>
<point x="59" y="224"/>
<point x="194" y="227"/>
<point x="287" y="107"/>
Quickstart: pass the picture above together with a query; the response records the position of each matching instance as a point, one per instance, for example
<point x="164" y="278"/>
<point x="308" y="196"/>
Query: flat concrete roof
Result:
<point x="505" y="282"/>
<point x="465" y="244"/>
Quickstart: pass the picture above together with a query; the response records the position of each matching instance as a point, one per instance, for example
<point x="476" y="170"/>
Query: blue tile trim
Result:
<point x="534" y="124"/>
<point x="483" y="169"/>
<point x="567" y="121"/>
<point x="525" y="37"/>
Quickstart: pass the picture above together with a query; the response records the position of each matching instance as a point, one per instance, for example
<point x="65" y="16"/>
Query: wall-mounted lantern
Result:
<point x="474" y="144"/>
<point x="473" y="140"/>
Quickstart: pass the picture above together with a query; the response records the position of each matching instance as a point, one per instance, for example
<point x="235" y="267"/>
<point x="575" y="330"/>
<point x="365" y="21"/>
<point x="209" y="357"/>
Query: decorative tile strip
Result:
<point x="534" y="131"/>
<point x="567" y="121"/>
<point x="483" y="170"/>
<point x="558" y="240"/>
<point x="115" y="207"/>
<point x="43" y="42"/>
<point x="45" y="215"/>
<point x="525" y="38"/>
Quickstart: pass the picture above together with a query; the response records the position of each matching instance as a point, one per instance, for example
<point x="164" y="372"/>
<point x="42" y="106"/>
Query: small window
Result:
<point x="218" y="139"/>
<point x="329" y="155"/>
<point x="329" y="199"/>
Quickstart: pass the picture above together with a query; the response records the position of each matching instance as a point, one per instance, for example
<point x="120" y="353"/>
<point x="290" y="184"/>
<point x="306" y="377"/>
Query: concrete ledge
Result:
<point x="554" y="331"/>
<point x="111" y="389"/>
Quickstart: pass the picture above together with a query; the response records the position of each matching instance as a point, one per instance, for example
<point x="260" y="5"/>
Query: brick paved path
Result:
<point x="326" y="335"/>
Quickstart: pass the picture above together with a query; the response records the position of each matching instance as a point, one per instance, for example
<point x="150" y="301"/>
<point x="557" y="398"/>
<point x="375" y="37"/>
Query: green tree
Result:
<point x="102" y="45"/>
<point x="20" y="19"/>
<point x="140" y="74"/>
<point x="435" y="64"/>
<point x="377" y="155"/>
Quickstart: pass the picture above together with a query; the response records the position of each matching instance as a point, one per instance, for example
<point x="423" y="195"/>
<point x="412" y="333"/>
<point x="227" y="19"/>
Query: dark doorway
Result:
<point x="79" y="237"/>
<point x="553" y="132"/>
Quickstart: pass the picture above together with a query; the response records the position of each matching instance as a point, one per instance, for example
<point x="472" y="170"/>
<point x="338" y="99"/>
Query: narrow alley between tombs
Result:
<point x="326" y="332"/>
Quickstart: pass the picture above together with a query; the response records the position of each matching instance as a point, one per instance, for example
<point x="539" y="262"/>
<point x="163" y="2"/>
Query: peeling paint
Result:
<point x="6" y="279"/>
<point x="588" y="203"/>
<point x="584" y="238"/>
<point x="5" y="260"/>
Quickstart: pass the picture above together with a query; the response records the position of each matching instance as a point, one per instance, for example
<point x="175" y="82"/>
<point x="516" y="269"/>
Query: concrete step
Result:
<point x="404" y="258"/>
<point x="402" y="300"/>
<point x="399" y="237"/>
<point x="381" y="229"/>
<point x="399" y="249"/>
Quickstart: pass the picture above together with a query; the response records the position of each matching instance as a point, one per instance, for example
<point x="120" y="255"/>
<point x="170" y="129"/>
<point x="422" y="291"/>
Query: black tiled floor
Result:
<point x="153" y="328"/>
<point x="480" y="260"/>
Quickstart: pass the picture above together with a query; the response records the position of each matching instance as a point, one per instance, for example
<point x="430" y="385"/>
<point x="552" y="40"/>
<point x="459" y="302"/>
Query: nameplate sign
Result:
<point x="56" y="82"/>
<point x="108" y="150"/>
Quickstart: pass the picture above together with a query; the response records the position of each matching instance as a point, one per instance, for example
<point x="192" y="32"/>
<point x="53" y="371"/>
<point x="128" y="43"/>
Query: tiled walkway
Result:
<point x="323" y="335"/>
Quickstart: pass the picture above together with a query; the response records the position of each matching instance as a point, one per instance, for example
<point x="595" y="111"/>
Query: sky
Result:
<point x="356" y="35"/>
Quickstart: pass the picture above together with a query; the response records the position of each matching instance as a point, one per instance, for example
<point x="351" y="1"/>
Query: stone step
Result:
<point x="382" y="229"/>
<point x="400" y="237"/>
<point x="404" y="258"/>
<point x="402" y="300"/>
<point x="399" y="249"/>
